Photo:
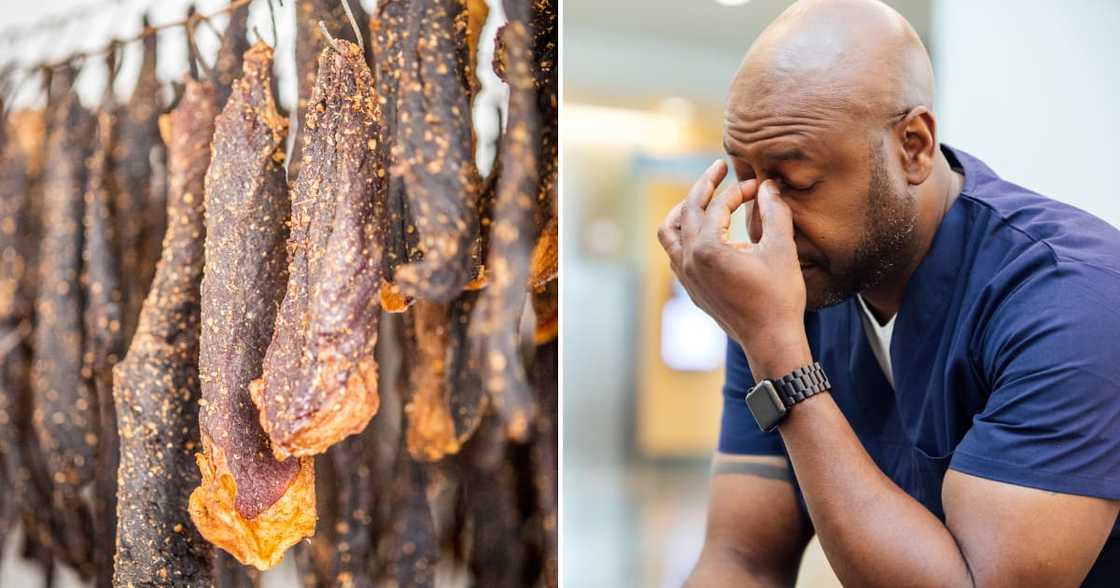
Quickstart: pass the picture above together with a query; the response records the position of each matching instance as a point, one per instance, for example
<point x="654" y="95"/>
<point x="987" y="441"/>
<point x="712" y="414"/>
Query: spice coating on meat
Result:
<point x="156" y="386"/>
<point x="545" y="449"/>
<point x="20" y="167"/>
<point x="494" y="356"/>
<point x="390" y="38"/>
<point x="140" y="152"/>
<point x="319" y="383"/>
<point x="411" y="549"/>
<point x="310" y="42"/>
<point x="434" y="149"/>
<point x="104" y="339"/>
<point x="235" y="42"/>
<point x="64" y="414"/>
<point x="249" y="504"/>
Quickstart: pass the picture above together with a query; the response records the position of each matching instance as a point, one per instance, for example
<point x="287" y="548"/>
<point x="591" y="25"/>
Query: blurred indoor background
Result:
<point x="1029" y="87"/>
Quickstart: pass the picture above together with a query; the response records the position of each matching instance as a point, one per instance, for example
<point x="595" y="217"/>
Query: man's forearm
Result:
<point x="872" y="532"/>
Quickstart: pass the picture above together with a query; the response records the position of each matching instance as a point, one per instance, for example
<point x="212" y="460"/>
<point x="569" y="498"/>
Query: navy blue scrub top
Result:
<point x="1006" y="356"/>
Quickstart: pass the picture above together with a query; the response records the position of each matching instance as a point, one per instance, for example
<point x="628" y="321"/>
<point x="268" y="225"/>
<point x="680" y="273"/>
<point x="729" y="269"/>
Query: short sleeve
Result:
<point x="1051" y="354"/>
<point x="739" y="433"/>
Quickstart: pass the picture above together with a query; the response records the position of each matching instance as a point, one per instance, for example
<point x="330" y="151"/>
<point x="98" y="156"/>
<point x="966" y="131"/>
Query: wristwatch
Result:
<point x="770" y="400"/>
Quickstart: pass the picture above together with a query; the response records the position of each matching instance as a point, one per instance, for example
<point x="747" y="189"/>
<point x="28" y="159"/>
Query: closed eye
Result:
<point x="785" y="185"/>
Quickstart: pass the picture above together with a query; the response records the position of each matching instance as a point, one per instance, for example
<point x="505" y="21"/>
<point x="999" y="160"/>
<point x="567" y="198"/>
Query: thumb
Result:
<point x="777" y="221"/>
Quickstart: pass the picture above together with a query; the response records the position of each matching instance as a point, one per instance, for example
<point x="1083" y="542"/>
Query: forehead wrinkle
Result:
<point x="747" y="133"/>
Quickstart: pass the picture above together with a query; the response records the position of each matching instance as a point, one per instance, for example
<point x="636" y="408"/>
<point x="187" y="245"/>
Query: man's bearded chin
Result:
<point x="887" y="242"/>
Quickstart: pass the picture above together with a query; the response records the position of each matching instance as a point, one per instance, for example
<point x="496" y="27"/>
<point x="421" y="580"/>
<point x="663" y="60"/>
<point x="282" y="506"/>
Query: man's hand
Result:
<point x="754" y="291"/>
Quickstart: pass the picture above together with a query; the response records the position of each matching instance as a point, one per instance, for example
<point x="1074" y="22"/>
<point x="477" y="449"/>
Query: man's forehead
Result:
<point x="778" y="139"/>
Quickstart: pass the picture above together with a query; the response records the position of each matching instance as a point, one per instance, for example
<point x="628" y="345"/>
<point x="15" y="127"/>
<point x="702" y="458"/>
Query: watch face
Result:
<point x="764" y="404"/>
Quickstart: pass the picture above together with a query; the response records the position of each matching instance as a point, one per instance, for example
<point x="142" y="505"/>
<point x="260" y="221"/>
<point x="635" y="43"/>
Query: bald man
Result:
<point x="924" y="359"/>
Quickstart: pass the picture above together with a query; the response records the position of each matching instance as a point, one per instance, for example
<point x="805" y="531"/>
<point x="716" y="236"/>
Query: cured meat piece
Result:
<point x="441" y="417"/>
<point x="546" y="67"/>
<point x="411" y="549"/>
<point x="352" y="461"/>
<point x="390" y="38"/>
<point x="156" y="386"/>
<point x="24" y="467"/>
<point x="139" y="163"/>
<point x="310" y="42"/>
<point x="249" y="504"/>
<point x="20" y="165"/>
<point x="545" y="442"/>
<point x="64" y="404"/>
<point x="497" y="554"/>
<point x="235" y="42"/>
<point x="104" y="336"/>
<point x="434" y="148"/>
<point x="493" y="356"/>
<point x="319" y="383"/>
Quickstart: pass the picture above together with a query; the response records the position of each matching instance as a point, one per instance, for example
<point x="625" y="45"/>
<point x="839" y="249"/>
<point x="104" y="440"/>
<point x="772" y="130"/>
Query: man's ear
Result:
<point x="917" y="137"/>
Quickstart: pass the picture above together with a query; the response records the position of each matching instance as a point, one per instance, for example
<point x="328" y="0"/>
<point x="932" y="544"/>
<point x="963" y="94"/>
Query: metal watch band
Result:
<point x="801" y="383"/>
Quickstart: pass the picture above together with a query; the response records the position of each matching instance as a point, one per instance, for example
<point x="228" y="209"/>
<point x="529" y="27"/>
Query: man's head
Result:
<point x="834" y="102"/>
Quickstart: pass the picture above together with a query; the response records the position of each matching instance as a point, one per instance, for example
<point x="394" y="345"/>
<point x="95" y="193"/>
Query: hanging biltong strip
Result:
<point x="140" y="146"/>
<point x="64" y="403"/>
<point x="494" y="358"/>
<point x="235" y="42"/>
<point x="352" y="460"/>
<point x="390" y="38"/>
<point x="411" y="548"/>
<point x="440" y="417"/>
<point x="20" y="165"/>
<point x="497" y="551"/>
<point x="104" y="340"/>
<point x="545" y="440"/>
<point x="310" y="42"/>
<point x="319" y="383"/>
<point x="24" y="464"/>
<point x="546" y="67"/>
<point x="434" y="149"/>
<point x="157" y="386"/>
<point x="249" y="504"/>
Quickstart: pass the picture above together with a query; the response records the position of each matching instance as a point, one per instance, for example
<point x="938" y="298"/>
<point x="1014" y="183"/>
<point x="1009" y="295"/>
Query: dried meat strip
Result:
<point x="545" y="453"/>
<point x="139" y="161"/>
<point x="319" y="383"/>
<point x="546" y="68"/>
<point x="157" y="387"/>
<point x="440" y="416"/>
<point x="249" y="504"/>
<point x="493" y="358"/>
<point x="497" y="552"/>
<point x="310" y="42"/>
<point x="411" y="548"/>
<point x="390" y="38"/>
<point x="16" y="179"/>
<point x="352" y="460"/>
<point x="235" y="42"/>
<point x="104" y="336"/>
<point x="434" y="149"/>
<point x="24" y="463"/>
<point x="64" y="403"/>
